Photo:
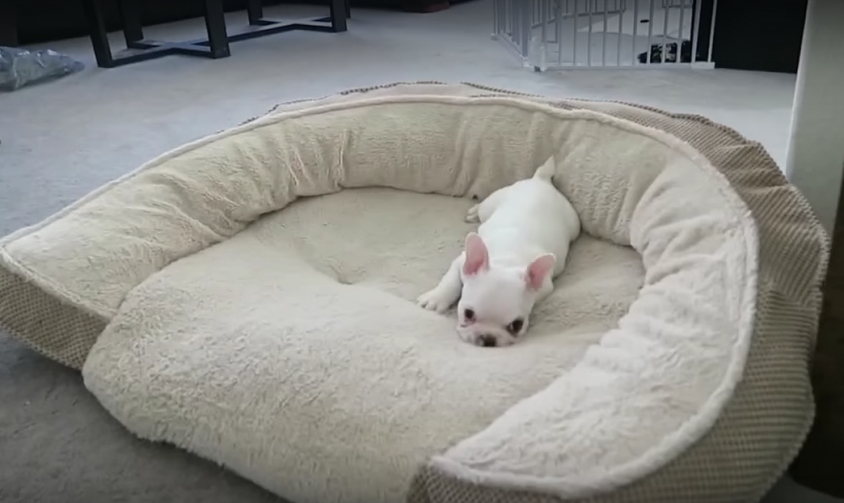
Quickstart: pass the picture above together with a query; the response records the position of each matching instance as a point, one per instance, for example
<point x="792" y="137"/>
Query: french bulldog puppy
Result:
<point x="509" y="264"/>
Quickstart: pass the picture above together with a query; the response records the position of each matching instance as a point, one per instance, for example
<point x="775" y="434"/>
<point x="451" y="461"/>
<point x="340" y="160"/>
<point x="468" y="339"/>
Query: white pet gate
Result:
<point x="562" y="34"/>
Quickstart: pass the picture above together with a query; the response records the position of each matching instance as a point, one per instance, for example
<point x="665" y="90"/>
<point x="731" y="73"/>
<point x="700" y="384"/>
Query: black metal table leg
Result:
<point x="215" y="22"/>
<point x="338" y="14"/>
<point x="254" y="11"/>
<point x="132" y="27"/>
<point x="97" y="31"/>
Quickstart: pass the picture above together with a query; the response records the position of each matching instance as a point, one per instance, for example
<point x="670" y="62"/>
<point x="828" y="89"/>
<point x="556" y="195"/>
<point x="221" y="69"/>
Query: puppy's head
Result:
<point x="495" y="304"/>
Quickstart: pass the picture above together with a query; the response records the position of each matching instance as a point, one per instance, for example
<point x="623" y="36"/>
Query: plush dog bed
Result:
<point x="249" y="297"/>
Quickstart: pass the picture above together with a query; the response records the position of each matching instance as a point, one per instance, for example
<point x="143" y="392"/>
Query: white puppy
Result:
<point x="521" y="245"/>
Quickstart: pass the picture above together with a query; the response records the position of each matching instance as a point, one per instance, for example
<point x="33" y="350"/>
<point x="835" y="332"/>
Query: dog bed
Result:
<point x="249" y="297"/>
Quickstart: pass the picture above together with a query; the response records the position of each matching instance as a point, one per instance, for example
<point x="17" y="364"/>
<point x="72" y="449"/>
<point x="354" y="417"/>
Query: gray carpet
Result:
<point x="63" y="139"/>
<point x="58" y="446"/>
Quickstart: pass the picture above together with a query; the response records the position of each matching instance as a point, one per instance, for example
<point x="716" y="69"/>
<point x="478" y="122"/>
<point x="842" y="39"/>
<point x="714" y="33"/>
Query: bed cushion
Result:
<point x="254" y="293"/>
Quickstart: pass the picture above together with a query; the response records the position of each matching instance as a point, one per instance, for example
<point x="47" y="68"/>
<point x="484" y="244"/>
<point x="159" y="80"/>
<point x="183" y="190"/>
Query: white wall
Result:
<point x="815" y="162"/>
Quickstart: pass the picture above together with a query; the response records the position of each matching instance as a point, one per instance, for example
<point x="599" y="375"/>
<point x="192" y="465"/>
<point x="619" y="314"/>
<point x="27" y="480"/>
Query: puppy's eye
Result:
<point x="516" y="326"/>
<point x="469" y="314"/>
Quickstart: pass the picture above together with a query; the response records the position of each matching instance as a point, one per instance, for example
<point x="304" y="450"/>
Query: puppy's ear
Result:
<point x="539" y="269"/>
<point x="477" y="257"/>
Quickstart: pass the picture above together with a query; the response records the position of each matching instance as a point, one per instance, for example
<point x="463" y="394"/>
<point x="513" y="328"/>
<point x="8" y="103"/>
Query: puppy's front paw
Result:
<point x="472" y="215"/>
<point x="435" y="300"/>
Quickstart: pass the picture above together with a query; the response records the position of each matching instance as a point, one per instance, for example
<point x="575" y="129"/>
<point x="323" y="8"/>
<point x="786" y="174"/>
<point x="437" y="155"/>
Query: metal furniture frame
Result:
<point x="215" y="46"/>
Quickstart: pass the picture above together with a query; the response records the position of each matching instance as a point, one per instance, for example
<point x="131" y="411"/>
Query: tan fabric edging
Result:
<point x="58" y="330"/>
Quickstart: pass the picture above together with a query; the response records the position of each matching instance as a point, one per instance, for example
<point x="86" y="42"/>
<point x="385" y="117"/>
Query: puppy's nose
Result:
<point x="487" y="341"/>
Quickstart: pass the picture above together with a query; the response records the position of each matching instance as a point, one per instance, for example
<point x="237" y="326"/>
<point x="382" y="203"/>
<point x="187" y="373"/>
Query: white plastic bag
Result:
<point x="20" y="67"/>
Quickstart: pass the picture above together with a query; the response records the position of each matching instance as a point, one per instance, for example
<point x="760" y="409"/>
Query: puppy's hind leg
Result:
<point x="447" y="292"/>
<point x="483" y="210"/>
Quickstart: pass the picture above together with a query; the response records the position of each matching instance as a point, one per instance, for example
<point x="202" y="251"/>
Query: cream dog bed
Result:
<point x="669" y="365"/>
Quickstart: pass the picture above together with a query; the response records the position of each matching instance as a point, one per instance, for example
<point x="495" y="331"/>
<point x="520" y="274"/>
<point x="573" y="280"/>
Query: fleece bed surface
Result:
<point x="257" y="287"/>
